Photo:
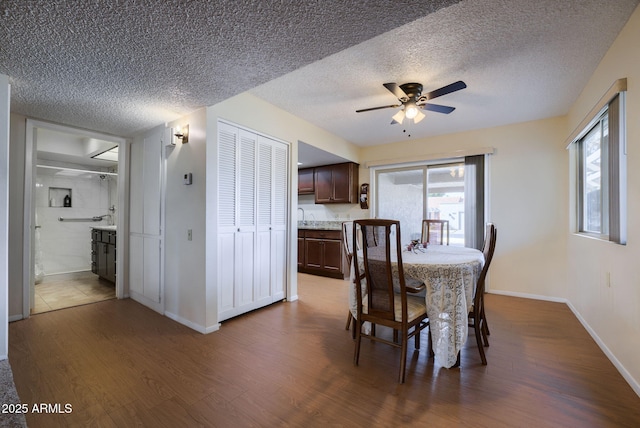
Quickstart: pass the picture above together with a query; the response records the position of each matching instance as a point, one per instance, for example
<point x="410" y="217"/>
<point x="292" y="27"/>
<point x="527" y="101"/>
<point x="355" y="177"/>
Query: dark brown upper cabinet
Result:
<point x="305" y="181"/>
<point x="336" y="184"/>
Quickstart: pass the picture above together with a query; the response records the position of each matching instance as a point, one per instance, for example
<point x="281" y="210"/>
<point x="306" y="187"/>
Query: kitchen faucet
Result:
<point x="304" y="222"/>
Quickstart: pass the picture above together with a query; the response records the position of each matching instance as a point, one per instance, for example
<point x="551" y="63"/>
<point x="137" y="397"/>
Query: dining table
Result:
<point x="450" y="274"/>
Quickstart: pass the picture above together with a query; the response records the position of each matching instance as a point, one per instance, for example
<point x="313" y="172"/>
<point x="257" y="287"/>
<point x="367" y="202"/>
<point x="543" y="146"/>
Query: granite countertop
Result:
<point x="104" y="227"/>
<point x="321" y="225"/>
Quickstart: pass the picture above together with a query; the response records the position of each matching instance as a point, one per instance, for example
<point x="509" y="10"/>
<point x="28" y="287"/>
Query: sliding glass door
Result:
<point x="429" y="191"/>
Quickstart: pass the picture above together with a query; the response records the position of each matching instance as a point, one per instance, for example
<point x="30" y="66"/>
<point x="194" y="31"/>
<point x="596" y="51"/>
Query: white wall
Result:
<point x="4" y="216"/>
<point x="185" y="209"/>
<point x="612" y="313"/>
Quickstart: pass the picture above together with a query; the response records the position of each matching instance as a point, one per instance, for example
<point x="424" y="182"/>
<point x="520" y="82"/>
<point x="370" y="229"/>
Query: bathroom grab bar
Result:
<point x="94" y="218"/>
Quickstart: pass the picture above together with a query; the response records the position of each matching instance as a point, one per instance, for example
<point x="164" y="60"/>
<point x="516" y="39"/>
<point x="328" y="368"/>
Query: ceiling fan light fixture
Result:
<point x="419" y="117"/>
<point x="411" y="110"/>
<point x="398" y="117"/>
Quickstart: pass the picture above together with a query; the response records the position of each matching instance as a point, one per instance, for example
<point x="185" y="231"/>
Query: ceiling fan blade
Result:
<point x="437" y="108"/>
<point x="395" y="90"/>
<point x="378" y="108"/>
<point x="456" y="86"/>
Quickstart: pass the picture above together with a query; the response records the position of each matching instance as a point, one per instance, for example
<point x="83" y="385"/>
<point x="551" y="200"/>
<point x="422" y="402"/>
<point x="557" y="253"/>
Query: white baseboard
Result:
<point x="292" y="298"/>
<point x="17" y="317"/>
<point x="197" y="327"/>
<point x="212" y="328"/>
<point x="528" y="296"/>
<point x="635" y="385"/>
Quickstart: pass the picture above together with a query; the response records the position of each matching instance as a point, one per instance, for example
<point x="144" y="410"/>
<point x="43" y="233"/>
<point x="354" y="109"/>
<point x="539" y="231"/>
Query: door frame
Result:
<point x="28" y="256"/>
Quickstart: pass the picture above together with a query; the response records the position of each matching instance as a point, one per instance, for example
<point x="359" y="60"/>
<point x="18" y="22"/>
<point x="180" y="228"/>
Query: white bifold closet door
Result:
<point x="253" y="181"/>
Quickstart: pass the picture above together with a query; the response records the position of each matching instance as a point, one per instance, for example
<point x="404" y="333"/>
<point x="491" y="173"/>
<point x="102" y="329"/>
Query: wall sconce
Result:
<point x="182" y="132"/>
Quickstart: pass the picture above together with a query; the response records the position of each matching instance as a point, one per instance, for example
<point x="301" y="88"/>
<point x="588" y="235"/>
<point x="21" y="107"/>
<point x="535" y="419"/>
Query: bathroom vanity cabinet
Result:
<point x="103" y="252"/>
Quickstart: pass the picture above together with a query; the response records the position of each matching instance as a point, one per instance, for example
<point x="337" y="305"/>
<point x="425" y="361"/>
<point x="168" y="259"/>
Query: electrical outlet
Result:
<point x="189" y="234"/>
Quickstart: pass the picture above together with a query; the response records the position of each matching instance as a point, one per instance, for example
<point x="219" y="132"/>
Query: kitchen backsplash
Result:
<point x="328" y="212"/>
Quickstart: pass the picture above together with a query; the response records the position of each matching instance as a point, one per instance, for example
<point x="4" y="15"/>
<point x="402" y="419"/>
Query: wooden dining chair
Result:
<point x="489" y="234"/>
<point x="349" y="247"/>
<point x="477" y="317"/>
<point x="381" y="304"/>
<point x="435" y="231"/>
<point x="347" y="239"/>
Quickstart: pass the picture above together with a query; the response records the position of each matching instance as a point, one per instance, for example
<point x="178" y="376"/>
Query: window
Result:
<point x="446" y="191"/>
<point x="601" y="174"/>
<point x="593" y="155"/>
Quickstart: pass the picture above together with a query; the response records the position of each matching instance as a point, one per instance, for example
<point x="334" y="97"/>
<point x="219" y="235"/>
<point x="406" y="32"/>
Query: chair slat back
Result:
<point x="489" y="231"/>
<point x="435" y="231"/>
<point x="347" y="239"/>
<point x="489" y="247"/>
<point x="380" y="239"/>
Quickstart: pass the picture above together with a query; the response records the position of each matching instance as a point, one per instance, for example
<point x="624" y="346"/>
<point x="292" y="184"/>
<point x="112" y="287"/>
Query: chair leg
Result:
<point x="485" y="327"/>
<point x="457" y="364"/>
<point x="349" y="318"/>
<point x="479" y="333"/>
<point x="485" y="339"/>
<point x="416" y="337"/>
<point x="403" y="357"/>
<point x="354" y="325"/>
<point x="358" y="329"/>
<point x="484" y="317"/>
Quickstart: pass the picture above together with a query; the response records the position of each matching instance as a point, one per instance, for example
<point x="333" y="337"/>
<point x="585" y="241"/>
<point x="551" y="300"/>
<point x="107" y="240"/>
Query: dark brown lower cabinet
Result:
<point x="322" y="252"/>
<point x="300" y="249"/>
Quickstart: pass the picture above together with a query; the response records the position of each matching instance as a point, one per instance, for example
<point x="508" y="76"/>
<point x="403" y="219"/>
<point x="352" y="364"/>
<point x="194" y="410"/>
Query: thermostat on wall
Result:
<point x="188" y="177"/>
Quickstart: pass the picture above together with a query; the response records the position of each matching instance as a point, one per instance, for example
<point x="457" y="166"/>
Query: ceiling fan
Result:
<point x="412" y="100"/>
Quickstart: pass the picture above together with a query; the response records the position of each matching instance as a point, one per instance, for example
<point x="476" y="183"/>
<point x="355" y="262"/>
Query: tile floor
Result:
<point x="68" y="290"/>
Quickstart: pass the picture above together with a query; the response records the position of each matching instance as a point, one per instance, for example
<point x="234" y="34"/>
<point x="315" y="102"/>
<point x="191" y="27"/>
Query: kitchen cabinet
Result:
<point x="252" y="220"/>
<point x="336" y="184"/>
<point x="306" y="181"/>
<point x="322" y="252"/>
<point x="103" y="254"/>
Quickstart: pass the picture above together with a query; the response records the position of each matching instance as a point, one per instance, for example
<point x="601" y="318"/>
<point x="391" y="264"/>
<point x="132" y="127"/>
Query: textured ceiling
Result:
<point x="522" y="60"/>
<point x="122" y="66"/>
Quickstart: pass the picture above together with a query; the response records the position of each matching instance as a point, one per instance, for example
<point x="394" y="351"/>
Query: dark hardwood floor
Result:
<point x="120" y="364"/>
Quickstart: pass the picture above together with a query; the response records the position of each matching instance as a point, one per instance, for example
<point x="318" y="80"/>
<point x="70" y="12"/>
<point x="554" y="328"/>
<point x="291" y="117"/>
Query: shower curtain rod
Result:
<point x="94" y="218"/>
<point x="115" y="174"/>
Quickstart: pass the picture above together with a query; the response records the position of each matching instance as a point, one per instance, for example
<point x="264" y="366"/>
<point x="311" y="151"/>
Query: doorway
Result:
<point x="74" y="185"/>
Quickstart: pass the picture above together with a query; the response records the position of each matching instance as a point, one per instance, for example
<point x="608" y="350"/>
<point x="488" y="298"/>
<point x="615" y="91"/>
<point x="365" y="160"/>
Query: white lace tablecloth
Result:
<point x="450" y="274"/>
